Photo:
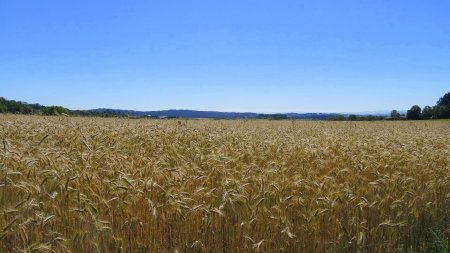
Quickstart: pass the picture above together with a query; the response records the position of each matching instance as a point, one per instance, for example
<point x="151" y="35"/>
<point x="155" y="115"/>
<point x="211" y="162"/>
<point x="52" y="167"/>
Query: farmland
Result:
<point x="122" y="185"/>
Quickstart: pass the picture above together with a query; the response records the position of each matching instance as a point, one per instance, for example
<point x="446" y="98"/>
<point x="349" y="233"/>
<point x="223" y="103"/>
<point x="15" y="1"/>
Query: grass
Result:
<point x="120" y="185"/>
<point x="442" y="120"/>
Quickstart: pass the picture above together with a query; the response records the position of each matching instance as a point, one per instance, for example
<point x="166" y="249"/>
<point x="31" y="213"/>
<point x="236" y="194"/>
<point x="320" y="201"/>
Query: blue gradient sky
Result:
<point x="234" y="55"/>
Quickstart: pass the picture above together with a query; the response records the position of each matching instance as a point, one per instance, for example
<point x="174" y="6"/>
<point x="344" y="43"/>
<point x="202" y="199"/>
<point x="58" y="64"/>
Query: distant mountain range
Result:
<point x="19" y="107"/>
<point x="178" y="113"/>
<point x="374" y="113"/>
<point x="214" y="114"/>
<point x="227" y="115"/>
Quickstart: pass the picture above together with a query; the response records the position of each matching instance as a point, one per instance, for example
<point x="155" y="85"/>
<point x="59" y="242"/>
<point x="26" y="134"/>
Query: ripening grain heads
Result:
<point x="118" y="185"/>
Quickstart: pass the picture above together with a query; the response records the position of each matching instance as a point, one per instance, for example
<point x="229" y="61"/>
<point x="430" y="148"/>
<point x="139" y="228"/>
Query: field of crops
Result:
<point x="140" y="185"/>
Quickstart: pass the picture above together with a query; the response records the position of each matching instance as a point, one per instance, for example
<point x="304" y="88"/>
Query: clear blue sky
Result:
<point x="233" y="55"/>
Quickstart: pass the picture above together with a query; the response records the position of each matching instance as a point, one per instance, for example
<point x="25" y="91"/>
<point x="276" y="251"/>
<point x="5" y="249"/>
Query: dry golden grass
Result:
<point x="121" y="185"/>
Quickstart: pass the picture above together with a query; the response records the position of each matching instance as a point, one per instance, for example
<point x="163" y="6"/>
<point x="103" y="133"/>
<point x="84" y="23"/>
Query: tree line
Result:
<point x="19" y="107"/>
<point x="439" y="111"/>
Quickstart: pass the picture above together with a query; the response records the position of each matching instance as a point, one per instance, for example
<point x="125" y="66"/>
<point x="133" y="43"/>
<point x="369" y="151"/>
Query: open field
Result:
<point x="121" y="185"/>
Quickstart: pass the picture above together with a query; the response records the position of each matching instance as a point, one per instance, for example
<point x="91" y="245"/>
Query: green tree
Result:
<point x="352" y="117"/>
<point x="441" y="112"/>
<point x="442" y="108"/>
<point x="395" y="114"/>
<point x="3" y="106"/>
<point x="415" y="113"/>
<point x="427" y="112"/>
<point x="55" y="110"/>
<point x="444" y="100"/>
<point x="370" y="118"/>
<point x="338" y="117"/>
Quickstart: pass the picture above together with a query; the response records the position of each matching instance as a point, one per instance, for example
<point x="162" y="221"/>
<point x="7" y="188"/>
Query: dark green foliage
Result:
<point x="55" y="110"/>
<point x="338" y="117"/>
<point x="272" y="116"/>
<point x="415" y="113"/>
<point x="395" y="115"/>
<point x="442" y="108"/>
<point x="427" y="112"/>
<point x="352" y="117"/>
<point x="441" y="112"/>
<point x="3" y="108"/>
<point x="444" y="101"/>
<point x="18" y="107"/>
<point x="105" y="114"/>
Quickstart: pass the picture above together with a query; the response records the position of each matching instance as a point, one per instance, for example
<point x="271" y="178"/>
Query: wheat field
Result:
<point x="140" y="185"/>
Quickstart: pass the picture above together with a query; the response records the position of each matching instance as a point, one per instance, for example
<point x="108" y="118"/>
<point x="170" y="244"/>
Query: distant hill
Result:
<point x="18" y="107"/>
<point x="214" y="114"/>
<point x="179" y="113"/>
<point x="440" y="111"/>
<point x="374" y="113"/>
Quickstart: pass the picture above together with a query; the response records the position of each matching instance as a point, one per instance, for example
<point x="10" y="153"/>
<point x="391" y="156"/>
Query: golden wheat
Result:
<point x="121" y="185"/>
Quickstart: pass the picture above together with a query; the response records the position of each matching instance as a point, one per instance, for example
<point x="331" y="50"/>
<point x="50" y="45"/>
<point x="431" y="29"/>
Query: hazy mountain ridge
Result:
<point x="13" y="106"/>
<point x="184" y="113"/>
